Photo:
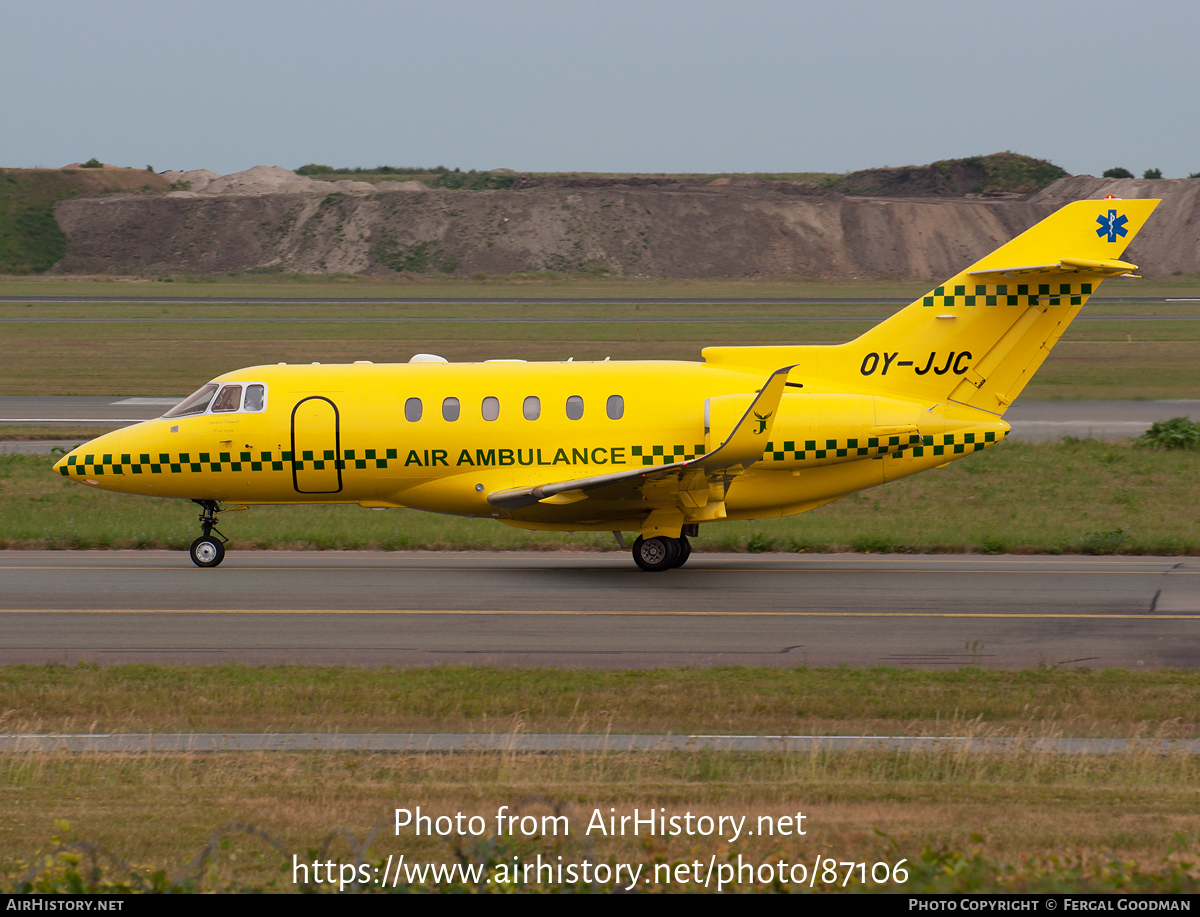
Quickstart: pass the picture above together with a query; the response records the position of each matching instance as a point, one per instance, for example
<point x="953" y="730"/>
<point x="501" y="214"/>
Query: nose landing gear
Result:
<point x="660" y="553"/>
<point x="208" y="550"/>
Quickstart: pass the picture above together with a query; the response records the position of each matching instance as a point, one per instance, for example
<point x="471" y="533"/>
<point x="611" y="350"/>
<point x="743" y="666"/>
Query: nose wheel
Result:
<point x="660" y="553"/>
<point x="209" y="549"/>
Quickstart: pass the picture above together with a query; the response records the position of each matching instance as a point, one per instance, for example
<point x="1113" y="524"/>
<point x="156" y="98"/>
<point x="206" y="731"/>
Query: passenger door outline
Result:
<point x="297" y="459"/>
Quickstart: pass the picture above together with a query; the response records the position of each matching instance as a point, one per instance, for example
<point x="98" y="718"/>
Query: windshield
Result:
<point x="196" y="403"/>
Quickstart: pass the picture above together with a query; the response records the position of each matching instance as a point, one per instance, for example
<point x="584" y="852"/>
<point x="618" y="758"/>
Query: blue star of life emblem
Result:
<point x="1112" y="225"/>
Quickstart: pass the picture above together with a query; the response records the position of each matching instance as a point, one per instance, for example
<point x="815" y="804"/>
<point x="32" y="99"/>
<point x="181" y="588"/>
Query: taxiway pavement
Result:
<point x="598" y="610"/>
<point x="217" y="299"/>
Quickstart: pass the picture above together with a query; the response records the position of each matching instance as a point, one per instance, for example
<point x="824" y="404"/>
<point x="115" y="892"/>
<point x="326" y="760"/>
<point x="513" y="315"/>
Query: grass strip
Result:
<point x="1070" y="497"/>
<point x="35" y="433"/>
<point x="1110" y="359"/>
<point x="545" y="285"/>
<point x="1012" y="821"/>
<point x="963" y="823"/>
<point x="734" y="700"/>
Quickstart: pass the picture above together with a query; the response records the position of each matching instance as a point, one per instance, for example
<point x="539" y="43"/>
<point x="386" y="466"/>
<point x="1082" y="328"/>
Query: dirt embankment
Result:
<point x="736" y="228"/>
<point x="30" y="239"/>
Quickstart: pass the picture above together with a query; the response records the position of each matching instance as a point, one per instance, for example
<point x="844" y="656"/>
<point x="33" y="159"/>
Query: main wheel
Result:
<point x="207" y="551"/>
<point x="655" y="554"/>
<point x="685" y="551"/>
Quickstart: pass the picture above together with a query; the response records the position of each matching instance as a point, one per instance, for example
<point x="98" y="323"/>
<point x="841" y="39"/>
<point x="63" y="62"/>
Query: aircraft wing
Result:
<point x="688" y="482"/>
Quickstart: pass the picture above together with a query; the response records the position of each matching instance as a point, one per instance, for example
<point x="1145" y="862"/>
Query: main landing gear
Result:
<point x="208" y="550"/>
<point x="661" y="553"/>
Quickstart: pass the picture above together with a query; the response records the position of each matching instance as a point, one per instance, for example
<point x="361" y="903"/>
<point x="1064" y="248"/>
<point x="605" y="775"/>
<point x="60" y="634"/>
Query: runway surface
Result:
<point x="599" y="610"/>
<point x="438" y="742"/>
<point x="490" y="320"/>
<point x="511" y="300"/>
<point x="1031" y="420"/>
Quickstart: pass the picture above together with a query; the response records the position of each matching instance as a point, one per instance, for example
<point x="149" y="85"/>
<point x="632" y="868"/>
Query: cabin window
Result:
<point x="230" y="399"/>
<point x="195" y="403"/>
<point x="412" y="410"/>
<point x="491" y="408"/>
<point x="256" y="396"/>
<point x="532" y="408"/>
<point x="615" y="407"/>
<point x="574" y="408"/>
<point x="450" y="409"/>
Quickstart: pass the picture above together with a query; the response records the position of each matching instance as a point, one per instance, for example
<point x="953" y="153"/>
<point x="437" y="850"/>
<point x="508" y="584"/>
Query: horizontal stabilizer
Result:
<point x="1062" y="266"/>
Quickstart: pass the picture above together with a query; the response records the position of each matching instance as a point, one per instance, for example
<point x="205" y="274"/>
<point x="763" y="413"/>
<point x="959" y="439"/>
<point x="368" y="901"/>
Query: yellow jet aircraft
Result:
<point x="654" y="447"/>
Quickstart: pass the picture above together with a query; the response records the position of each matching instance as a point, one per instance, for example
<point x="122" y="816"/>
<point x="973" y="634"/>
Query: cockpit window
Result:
<point x="196" y="403"/>
<point x="256" y="396"/>
<point x="230" y="399"/>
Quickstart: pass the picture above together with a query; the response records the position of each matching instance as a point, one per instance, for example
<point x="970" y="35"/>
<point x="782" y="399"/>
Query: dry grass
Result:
<point x="1004" y="817"/>
<point x="161" y="362"/>
<point x="1096" y="360"/>
<point x="540" y="286"/>
<point x="799" y="701"/>
<point x="158" y="810"/>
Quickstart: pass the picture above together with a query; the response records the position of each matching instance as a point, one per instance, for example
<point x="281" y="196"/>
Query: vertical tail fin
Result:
<point x="979" y="337"/>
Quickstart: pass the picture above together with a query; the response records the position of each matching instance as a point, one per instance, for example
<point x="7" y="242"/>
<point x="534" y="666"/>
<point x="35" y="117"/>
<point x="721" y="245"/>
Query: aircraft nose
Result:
<point x="88" y="462"/>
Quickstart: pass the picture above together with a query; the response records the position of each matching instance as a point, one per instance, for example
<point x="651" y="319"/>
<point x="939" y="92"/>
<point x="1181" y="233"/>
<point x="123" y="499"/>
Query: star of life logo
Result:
<point x="1112" y="225"/>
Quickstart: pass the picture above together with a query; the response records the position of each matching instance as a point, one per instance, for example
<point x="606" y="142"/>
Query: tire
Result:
<point x="685" y="551"/>
<point x="207" y="551"/>
<point x="655" y="554"/>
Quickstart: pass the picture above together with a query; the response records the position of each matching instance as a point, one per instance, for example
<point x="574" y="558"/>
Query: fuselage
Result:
<point x="443" y="436"/>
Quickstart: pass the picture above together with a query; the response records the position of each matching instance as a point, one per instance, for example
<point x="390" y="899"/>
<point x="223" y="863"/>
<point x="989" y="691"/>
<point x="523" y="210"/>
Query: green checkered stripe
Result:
<point x="1008" y="294"/>
<point x="800" y="451"/>
<point x="952" y="443"/>
<point x="98" y="464"/>
<point x="955" y="443"/>
<point x="665" y="455"/>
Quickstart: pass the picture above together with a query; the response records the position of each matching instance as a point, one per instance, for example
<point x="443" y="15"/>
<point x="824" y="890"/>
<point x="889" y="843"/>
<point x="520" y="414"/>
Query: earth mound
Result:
<point x="872" y="223"/>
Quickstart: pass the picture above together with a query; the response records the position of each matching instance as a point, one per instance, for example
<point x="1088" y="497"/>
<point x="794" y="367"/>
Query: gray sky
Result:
<point x="648" y="86"/>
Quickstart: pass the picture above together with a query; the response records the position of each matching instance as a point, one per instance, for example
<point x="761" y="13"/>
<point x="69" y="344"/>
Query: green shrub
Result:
<point x="994" y="546"/>
<point x="416" y="259"/>
<point x="30" y="237"/>
<point x="1118" y="172"/>
<point x="1152" y="173"/>
<point x="1103" y="542"/>
<point x="93" y="163"/>
<point x="871" y="544"/>
<point x="758" y="543"/>
<point x="457" y="180"/>
<point x="317" y="169"/>
<point x="1176" y="433"/>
